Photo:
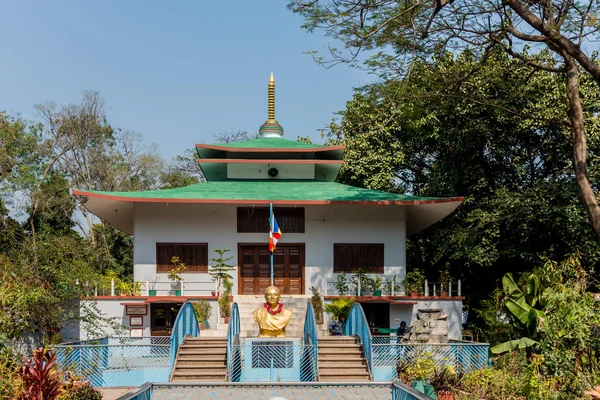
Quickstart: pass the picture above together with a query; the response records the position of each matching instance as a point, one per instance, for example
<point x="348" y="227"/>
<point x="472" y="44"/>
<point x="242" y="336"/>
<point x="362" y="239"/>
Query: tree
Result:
<point x="545" y="35"/>
<point x="95" y="156"/>
<point x="458" y="139"/>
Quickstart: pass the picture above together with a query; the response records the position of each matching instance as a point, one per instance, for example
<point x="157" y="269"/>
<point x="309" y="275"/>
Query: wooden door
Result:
<point x="255" y="267"/>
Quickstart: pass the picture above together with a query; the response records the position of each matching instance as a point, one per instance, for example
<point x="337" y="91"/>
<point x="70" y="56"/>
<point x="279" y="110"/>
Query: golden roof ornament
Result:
<point x="271" y="127"/>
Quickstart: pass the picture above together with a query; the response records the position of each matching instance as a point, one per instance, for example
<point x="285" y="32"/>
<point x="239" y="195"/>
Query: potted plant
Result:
<point x="175" y="273"/>
<point x="224" y="301"/>
<point x="224" y="308"/>
<point x="220" y="269"/>
<point x="360" y="275"/>
<point x="340" y="284"/>
<point x="445" y="279"/>
<point x="151" y="281"/>
<point x="317" y="303"/>
<point x="377" y="285"/>
<point x="419" y="373"/>
<point x="203" y="312"/>
<point x="413" y="282"/>
<point x="445" y="381"/>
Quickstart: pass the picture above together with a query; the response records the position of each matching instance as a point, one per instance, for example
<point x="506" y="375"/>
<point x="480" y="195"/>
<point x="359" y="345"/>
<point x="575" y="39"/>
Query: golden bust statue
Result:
<point x="272" y="317"/>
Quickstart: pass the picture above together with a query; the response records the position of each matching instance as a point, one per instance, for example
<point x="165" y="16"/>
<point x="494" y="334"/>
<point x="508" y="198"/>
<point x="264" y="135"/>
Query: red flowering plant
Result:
<point x="41" y="378"/>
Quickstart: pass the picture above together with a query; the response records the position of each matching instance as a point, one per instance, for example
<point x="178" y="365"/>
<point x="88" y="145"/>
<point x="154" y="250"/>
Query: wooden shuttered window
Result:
<point x="256" y="219"/>
<point x="193" y="255"/>
<point x="348" y="257"/>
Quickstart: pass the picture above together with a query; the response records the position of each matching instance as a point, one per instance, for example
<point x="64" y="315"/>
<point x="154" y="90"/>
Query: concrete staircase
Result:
<point x="201" y="359"/>
<point x="341" y="358"/>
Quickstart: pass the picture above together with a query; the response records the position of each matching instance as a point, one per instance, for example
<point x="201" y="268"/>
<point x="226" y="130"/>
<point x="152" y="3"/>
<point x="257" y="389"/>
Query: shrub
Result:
<point x="40" y="377"/>
<point x="203" y="310"/>
<point x="490" y="384"/>
<point x="82" y="393"/>
<point x="11" y="384"/>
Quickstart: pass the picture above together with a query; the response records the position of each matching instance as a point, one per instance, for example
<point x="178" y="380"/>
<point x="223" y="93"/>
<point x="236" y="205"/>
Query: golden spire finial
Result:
<point x="271" y="127"/>
<point x="271" y="115"/>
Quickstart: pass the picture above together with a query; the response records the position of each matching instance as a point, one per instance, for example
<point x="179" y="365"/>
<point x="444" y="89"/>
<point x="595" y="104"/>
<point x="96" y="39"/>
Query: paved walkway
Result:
<point x="114" y="393"/>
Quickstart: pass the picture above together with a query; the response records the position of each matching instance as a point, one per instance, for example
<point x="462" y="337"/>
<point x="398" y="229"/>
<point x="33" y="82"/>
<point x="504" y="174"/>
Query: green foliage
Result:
<point x="340" y="307"/>
<point x="203" y="310"/>
<point x="360" y="275"/>
<point x="490" y="384"/>
<point x="220" y="270"/>
<point x="414" y="282"/>
<point x="41" y="379"/>
<point x="317" y="303"/>
<point x="177" y="269"/>
<point x="82" y="393"/>
<point x="11" y="384"/>
<point x="340" y="284"/>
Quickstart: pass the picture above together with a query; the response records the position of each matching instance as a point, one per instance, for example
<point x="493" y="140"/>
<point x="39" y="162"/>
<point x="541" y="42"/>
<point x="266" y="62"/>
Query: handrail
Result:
<point x="356" y="324"/>
<point x="186" y="324"/>
<point x="233" y="336"/>
<point x="311" y="337"/>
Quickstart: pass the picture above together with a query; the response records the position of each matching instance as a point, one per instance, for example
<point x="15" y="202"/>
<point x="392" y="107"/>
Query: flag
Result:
<point x="274" y="233"/>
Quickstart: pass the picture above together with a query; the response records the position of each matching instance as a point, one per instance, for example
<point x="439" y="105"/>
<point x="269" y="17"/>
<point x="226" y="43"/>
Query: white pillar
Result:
<point x="459" y="288"/>
<point x="147" y="288"/>
<point x="393" y="284"/>
<point x="426" y="288"/>
<point x="112" y="287"/>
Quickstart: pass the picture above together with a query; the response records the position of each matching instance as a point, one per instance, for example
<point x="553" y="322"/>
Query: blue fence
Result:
<point x="356" y="324"/>
<point x="461" y="356"/>
<point x="116" y="361"/>
<point x="234" y="361"/>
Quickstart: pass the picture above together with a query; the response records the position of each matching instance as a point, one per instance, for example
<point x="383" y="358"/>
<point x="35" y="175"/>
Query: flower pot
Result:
<point x="414" y="294"/>
<point x="444" y="294"/>
<point x="227" y="320"/>
<point x="201" y="326"/>
<point x="377" y="293"/>
<point x="425" y="388"/>
<point x="213" y="293"/>
<point x="178" y="293"/>
<point x="230" y="298"/>
<point x="445" y="396"/>
<point x="152" y="292"/>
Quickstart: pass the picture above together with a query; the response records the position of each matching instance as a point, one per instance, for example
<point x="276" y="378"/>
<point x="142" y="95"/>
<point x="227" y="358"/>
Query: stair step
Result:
<point x="339" y="359"/>
<point x="198" y="373"/>
<point x="199" y="368"/>
<point x="346" y="363"/>
<point x="192" y="345"/>
<point x="188" y="363"/>
<point x="344" y="378"/>
<point x="345" y="346"/>
<point x="352" y="370"/>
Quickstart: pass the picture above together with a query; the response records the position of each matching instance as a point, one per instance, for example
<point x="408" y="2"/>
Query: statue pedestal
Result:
<point x="272" y="359"/>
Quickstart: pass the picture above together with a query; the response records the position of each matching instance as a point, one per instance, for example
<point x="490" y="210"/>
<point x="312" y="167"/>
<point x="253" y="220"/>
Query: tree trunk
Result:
<point x="579" y="145"/>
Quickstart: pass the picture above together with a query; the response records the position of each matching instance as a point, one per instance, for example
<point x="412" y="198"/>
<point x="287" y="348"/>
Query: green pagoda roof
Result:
<point x="266" y="146"/>
<point x="117" y="207"/>
<point x="265" y="190"/>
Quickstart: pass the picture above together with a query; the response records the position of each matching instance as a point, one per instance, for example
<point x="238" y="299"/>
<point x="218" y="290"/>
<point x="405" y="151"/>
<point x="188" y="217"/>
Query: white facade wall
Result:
<point x="216" y="224"/>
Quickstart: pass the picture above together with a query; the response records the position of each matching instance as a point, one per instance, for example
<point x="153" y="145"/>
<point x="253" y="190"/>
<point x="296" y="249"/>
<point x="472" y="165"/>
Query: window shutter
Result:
<point x="348" y="257"/>
<point x="193" y="255"/>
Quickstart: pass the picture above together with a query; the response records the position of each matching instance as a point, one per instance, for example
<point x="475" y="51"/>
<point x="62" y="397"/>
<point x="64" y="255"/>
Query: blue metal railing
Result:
<point x="311" y="342"/>
<point x="186" y="324"/>
<point x="233" y="348"/>
<point x="400" y="391"/>
<point x="356" y="324"/>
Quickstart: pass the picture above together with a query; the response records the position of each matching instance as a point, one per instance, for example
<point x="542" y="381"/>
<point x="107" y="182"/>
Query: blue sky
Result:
<point x="176" y="72"/>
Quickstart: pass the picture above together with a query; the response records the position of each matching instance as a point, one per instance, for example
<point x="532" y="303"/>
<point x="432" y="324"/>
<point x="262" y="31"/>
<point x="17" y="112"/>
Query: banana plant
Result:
<point x="527" y="311"/>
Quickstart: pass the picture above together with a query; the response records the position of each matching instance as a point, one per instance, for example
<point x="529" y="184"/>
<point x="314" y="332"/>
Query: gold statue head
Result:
<point x="272" y="295"/>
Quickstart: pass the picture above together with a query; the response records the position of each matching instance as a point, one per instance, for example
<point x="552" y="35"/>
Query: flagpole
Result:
<point x="271" y="228"/>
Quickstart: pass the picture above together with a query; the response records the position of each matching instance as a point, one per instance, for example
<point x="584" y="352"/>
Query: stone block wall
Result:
<point x="431" y="326"/>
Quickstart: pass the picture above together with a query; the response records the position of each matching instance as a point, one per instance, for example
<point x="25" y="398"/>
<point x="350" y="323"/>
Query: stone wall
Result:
<point x="431" y="326"/>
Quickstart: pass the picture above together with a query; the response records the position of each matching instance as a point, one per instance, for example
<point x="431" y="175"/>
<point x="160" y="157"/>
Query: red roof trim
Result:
<point x="268" y="150"/>
<point x="392" y="299"/>
<point x="253" y="161"/>
<point x="280" y="202"/>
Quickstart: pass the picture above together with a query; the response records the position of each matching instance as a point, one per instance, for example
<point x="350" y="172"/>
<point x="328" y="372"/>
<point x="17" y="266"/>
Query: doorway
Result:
<point x="255" y="268"/>
<point x="162" y="318"/>
<point x="377" y="314"/>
